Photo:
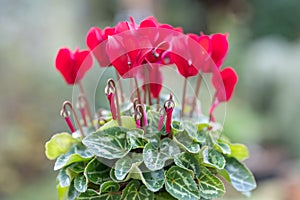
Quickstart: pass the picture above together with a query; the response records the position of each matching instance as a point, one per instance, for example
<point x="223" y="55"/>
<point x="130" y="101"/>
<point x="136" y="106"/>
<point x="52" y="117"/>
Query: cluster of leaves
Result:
<point x="128" y="163"/>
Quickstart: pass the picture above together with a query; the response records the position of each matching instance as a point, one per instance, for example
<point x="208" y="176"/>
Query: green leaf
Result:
<point x="181" y="185"/>
<point x="77" y="167"/>
<point x="176" y="127"/>
<point x="213" y="158"/>
<point x="136" y="138"/>
<point x="80" y="183"/>
<point x="239" y="151"/>
<point x="90" y="194"/>
<point x="192" y="130"/>
<point x="127" y="122"/>
<point x="163" y="196"/>
<point x="124" y="165"/>
<point x="154" y="180"/>
<point x="157" y="152"/>
<point x="72" y="192"/>
<point x="77" y="153"/>
<point x="114" y="178"/>
<point x="134" y="191"/>
<point x="222" y="148"/>
<point x="62" y="192"/>
<point x="210" y="185"/>
<point x="187" y="142"/>
<point x="109" y="186"/>
<point x="188" y="161"/>
<point x="63" y="178"/>
<point x="96" y="172"/>
<point x="153" y="118"/>
<point x="110" y="143"/>
<point x="59" y="144"/>
<point x="240" y="176"/>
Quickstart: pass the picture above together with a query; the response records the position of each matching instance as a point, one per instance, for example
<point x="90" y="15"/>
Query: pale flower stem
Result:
<point x="87" y="105"/>
<point x="183" y="97"/>
<point x="198" y="85"/>
<point x="137" y="89"/>
<point x="120" y="86"/>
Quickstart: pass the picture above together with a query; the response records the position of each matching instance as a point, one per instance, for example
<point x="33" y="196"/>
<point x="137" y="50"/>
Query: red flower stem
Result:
<point x="112" y="86"/>
<point x="69" y="123"/>
<point x="120" y="86"/>
<point x="64" y="109"/>
<point x="183" y="97"/>
<point x="169" y="120"/>
<point x="137" y="89"/>
<point x="87" y="105"/>
<point x="198" y="85"/>
<point x="111" y="100"/>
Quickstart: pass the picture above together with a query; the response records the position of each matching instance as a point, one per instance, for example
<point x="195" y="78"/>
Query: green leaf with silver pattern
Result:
<point x="210" y="185"/>
<point x="110" y="143"/>
<point x="124" y="165"/>
<point x="135" y="191"/>
<point x="188" y="161"/>
<point x="181" y="185"/>
<point x="80" y="183"/>
<point x="186" y="141"/>
<point x="212" y="158"/>
<point x="96" y="172"/>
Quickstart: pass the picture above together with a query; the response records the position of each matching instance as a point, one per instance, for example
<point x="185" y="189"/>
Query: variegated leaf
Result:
<point x="192" y="130"/>
<point x="188" y="161"/>
<point x="77" y="167"/>
<point x="88" y="195"/>
<point x="222" y="148"/>
<point x="127" y="122"/>
<point x="181" y="185"/>
<point x="154" y="180"/>
<point x="187" y="142"/>
<point x="80" y="183"/>
<point x="213" y="158"/>
<point x="109" y="186"/>
<point x="157" y="152"/>
<point x="110" y="143"/>
<point x="96" y="172"/>
<point x="136" y="138"/>
<point x="72" y="192"/>
<point x="77" y="153"/>
<point x="240" y="176"/>
<point x="124" y="165"/>
<point x="135" y="191"/>
<point x="153" y="118"/>
<point x="63" y="178"/>
<point x="210" y="185"/>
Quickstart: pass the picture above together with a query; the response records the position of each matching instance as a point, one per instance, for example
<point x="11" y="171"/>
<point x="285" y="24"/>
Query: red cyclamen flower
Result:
<point x="219" y="44"/>
<point x="73" y="65"/>
<point x="225" y="86"/>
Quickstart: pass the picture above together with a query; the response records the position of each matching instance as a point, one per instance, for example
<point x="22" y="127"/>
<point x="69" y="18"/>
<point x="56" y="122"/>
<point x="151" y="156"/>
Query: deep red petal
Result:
<point x="65" y="64"/>
<point x="149" y="22"/>
<point x="219" y="48"/>
<point x="83" y="62"/>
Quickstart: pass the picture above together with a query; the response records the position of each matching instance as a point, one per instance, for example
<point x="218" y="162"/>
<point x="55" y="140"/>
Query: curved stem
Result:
<point x="198" y="85"/>
<point x="64" y="108"/>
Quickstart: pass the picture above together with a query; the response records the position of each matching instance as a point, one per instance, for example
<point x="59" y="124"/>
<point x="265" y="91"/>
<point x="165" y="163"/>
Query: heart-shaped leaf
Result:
<point x="63" y="178"/>
<point x="134" y="191"/>
<point x="187" y="142"/>
<point x="90" y="194"/>
<point x="77" y="167"/>
<point x="213" y="158"/>
<point x="124" y="165"/>
<point x="72" y="192"/>
<point x="110" y="143"/>
<point x="59" y="144"/>
<point x="109" y="186"/>
<point x="80" y="183"/>
<point x="222" y="148"/>
<point x="154" y="180"/>
<point x="192" y="130"/>
<point x="181" y="185"/>
<point x="157" y="152"/>
<point x="77" y="153"/>
<point x="96" y="172"/>
<point x="239" y="175"/>
<point x="136" y="138"/>
<point x="210" y="185"/>
<point x="188" y="161"/>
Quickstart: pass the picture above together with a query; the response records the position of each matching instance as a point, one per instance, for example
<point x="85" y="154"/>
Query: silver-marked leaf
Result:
<point x="63" y="178"/>
<point x="164" y="196"/>
<point x="80" y="183"/>
<point x="135" y="191"/>
<point x="222" y="148"/>
<point x="90" y="194"/>
<point x="77" y="153"/>
<point x="188" y="161"/>
<point x="153" y="118"/>
<point x="210" y="185"/>
<point x="96" y="172"/>
<point x="213" y="158"/>
<point x="77" y="167"/>
<point x="72" y="192"/>
<point x="240" y="176"/>
<point x="154" y="180"/>
<point x="110" y="143"/>
<point x="124" y="165"/>
<point x="181" y="185"/>
<point x="156" y="153"/>
<point x="127" y="122"/>
<point x="192" y="130"/>
<point x="176" y="127"/>
<point x="136" y="138"/>
<point x="109" y="186"/>
<point x="187" y="142"/>
<point x="59" y="144"/>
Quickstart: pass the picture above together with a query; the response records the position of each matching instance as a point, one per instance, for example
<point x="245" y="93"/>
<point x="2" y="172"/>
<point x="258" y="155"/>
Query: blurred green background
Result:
<point x="264" y="41"/>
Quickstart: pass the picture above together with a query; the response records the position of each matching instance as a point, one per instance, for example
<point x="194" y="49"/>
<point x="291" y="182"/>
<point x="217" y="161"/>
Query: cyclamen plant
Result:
<point x="154" y="148"/>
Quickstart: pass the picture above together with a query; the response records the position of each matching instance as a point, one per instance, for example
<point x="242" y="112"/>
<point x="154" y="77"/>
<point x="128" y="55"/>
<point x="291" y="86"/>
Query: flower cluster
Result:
<point x="138" y="150"/>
